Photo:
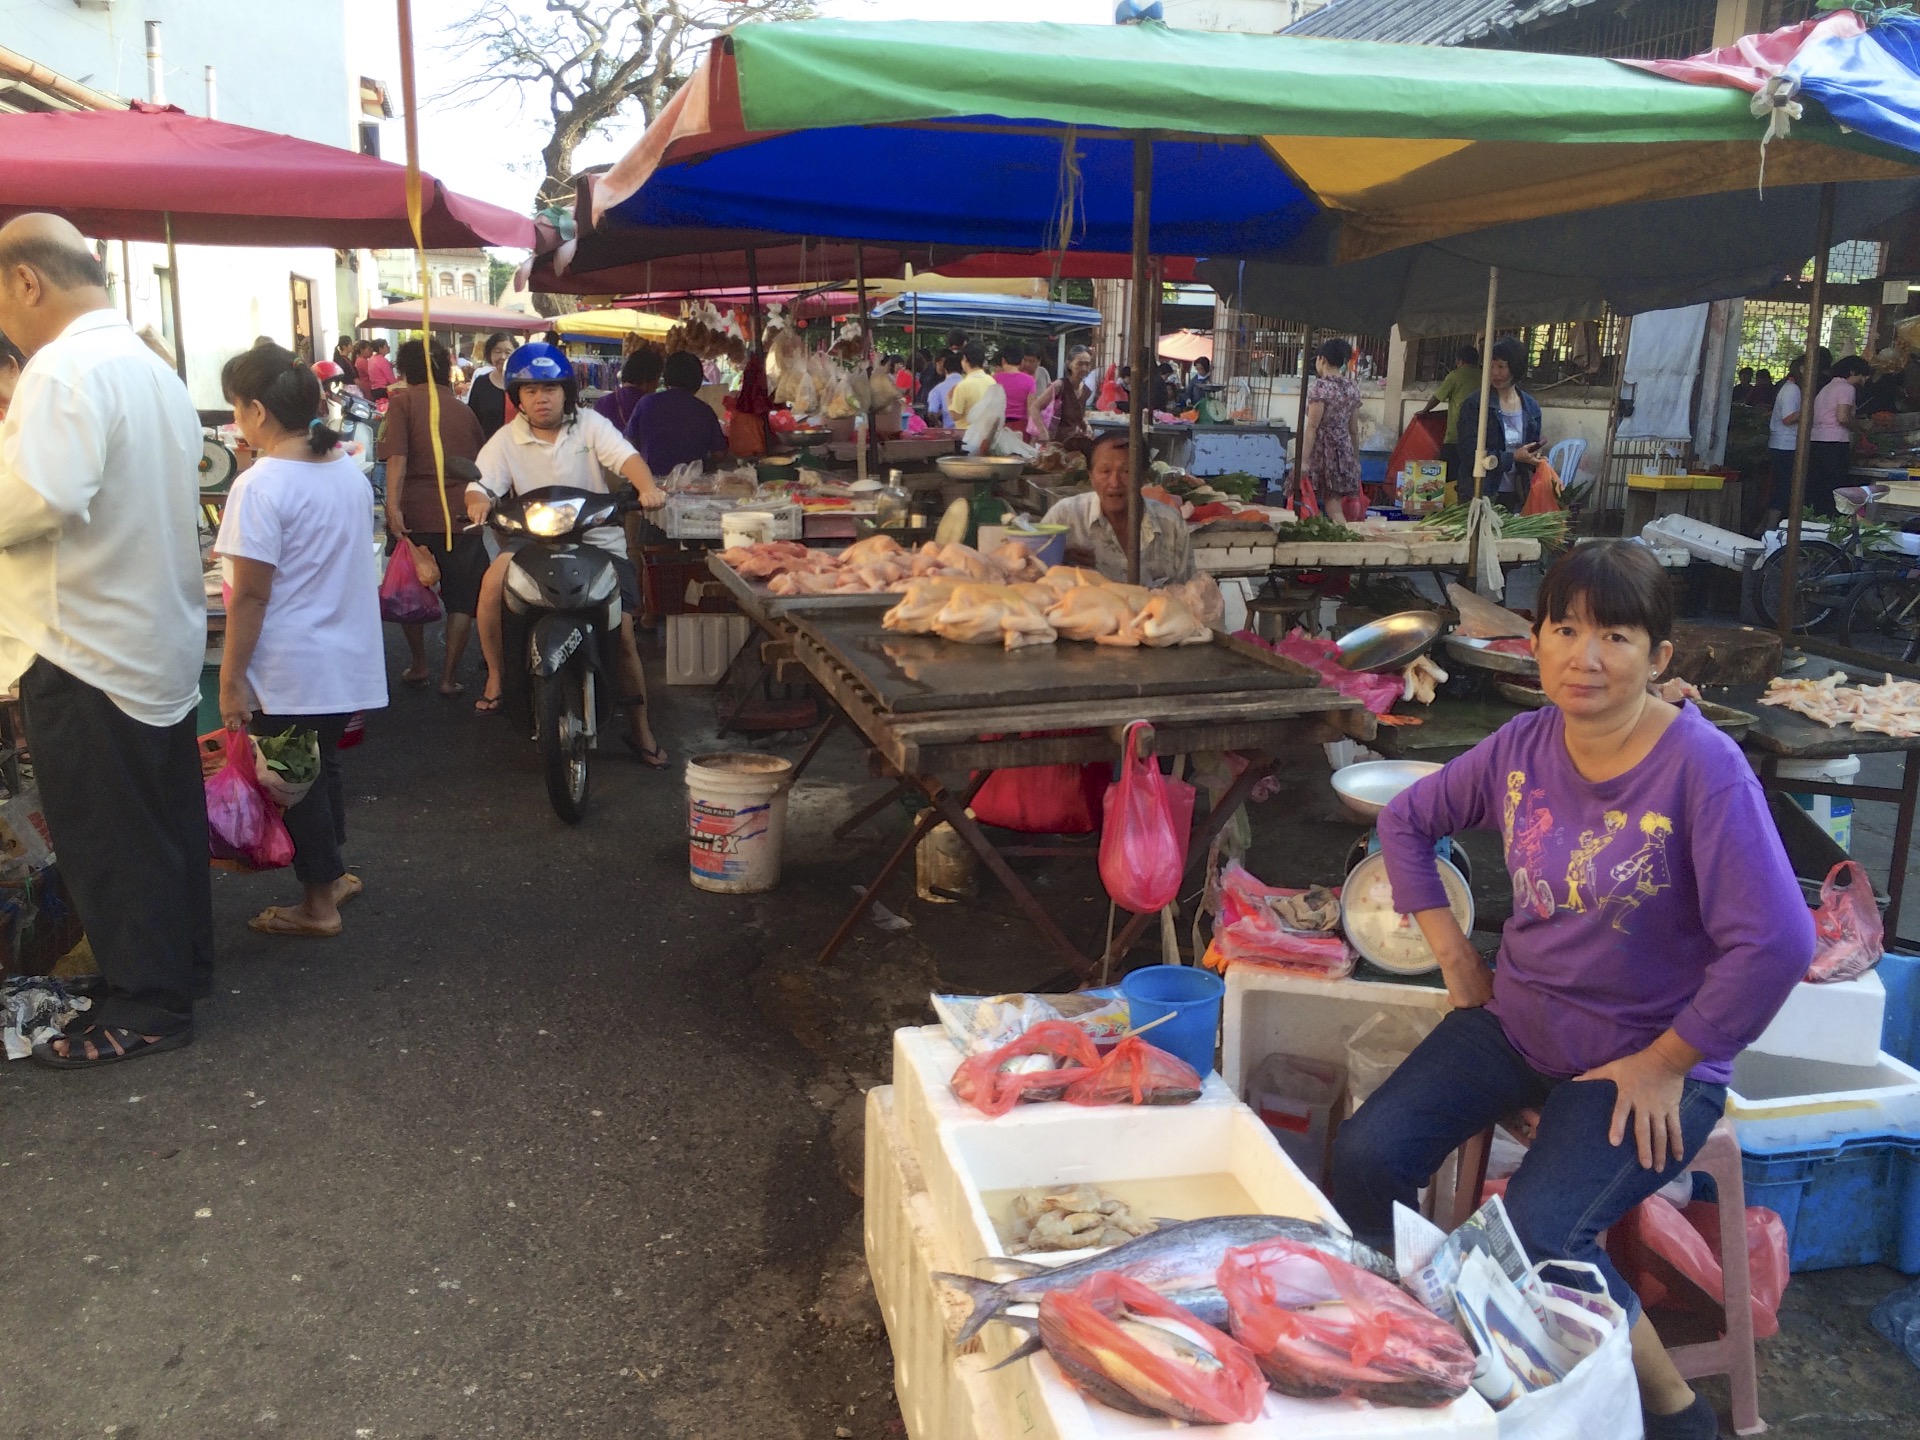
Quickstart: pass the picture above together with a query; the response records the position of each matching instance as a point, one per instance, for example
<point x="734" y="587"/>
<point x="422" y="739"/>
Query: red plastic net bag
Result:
<point x="244" y="827"/>
<point x="985" y="1082"/>
<point x="1848" y="934"/>
<point x="403" y="599"/>
<point x="1165" y="1364"/>
<point x="1143" y="849"/>
<point x="1136" y="1073"/>
<point x="1320" y="1327"/>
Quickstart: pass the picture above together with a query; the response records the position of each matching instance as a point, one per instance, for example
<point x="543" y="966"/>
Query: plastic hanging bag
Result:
<point x="1137" y="1073"/>
<point x="1598" y="1399"/>
<point x="1085" y="1331"/>
<point x="244" y="828"/>
<point x="1147" y="815"/>
<point x="1059" y="1053"/>
<point x="425" y="567"/>
<point x="403" y="599"/>
<point x="1321" y="1328"/>
<point x="1848" y="934"/>
<point x="1043" y="799"/>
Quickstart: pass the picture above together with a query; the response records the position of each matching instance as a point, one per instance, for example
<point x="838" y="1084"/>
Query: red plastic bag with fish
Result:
<point x="1143" y="848"/>
<point x="244" y="828"/>
<point x="1136" y="1073"/>
<point x="1847" y="931"/>
<point x="1320" y="1327"/>
<point x="982" y="1082"/>
<point x="1164" y="1364"/>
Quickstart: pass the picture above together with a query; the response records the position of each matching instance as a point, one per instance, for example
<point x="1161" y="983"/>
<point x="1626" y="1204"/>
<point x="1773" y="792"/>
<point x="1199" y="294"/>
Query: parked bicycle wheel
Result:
<point x="1820" y="560"/>
<point x="1883" y="617"/>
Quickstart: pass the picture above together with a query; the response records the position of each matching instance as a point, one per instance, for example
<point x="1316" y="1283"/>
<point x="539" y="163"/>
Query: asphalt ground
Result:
<point x="549" y="1143"/>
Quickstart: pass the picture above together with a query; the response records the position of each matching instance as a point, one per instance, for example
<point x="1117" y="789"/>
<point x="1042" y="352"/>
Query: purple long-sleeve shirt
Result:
<point x="1659" y="898"/>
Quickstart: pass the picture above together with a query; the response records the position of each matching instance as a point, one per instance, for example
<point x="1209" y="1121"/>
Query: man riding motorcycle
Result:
<point x="552" y="441"/>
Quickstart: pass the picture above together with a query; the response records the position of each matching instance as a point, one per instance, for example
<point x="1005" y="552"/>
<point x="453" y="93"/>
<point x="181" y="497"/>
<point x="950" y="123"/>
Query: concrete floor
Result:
<point x="551" y="1144"/>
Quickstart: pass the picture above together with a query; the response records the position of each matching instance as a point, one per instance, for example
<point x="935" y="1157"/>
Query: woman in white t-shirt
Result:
<point x="303" y="646"/>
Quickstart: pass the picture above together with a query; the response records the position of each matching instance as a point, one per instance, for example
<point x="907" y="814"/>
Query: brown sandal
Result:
<point x="285" y="920"/>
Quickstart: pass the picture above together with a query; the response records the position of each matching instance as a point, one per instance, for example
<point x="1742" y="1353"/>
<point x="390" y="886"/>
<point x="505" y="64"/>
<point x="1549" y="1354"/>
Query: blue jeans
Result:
<point x="1572" y="1185"/>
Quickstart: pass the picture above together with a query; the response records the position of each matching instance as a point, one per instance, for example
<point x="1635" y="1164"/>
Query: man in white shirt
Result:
<point x="552" y="441"/>
<point x="103" y="628"/>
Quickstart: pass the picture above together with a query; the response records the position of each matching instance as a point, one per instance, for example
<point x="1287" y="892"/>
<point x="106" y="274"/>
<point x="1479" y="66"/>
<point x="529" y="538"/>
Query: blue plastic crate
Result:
<point x="1900" y="1032"/>
<point x="1851" y="1200"/>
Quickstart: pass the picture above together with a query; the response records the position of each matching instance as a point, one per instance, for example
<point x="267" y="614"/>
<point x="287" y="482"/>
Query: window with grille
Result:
<point x="1625" y="30"/>
<point x="1574" y="353"/>
<point x="1772" y="332"/>
<point x="1778" y="14"/>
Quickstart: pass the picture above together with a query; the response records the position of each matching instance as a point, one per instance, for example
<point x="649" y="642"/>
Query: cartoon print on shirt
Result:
<point x="1582" y="878"/>
<point x="1516" y="787"/>
<point x="1643" y="874"/>
<point x="1529" y="828"/>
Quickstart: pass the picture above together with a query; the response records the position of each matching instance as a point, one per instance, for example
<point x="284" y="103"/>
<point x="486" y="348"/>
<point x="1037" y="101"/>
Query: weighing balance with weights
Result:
<point x="1386" y="939"/>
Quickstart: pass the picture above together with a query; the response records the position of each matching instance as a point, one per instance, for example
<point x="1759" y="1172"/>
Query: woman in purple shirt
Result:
<point x="1656" y="928"/>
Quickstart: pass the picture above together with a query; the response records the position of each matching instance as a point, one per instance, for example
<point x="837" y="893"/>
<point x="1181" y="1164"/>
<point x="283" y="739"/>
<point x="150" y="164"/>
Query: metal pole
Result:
<point x="213" y="96"/>
<point x="1605" y="472"/>
<point x="1139" y="393"/>
<point x="1809" y="377"/>
<point x="753" y="292"/>
<point x="156" y="71"/>
<point x="1307" y="332"/>
<point x="173" y="298"/>
<point x="126" y="279"/>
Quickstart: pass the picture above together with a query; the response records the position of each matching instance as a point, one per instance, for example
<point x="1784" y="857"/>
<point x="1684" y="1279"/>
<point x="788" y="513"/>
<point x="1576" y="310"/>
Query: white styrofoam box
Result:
<point x="1839" y="1023"/>
<point x="701" y="647"/>
<point x="1778" y="1099"/>
<point x="1268" y="1012"/>
<point x="1727" y="548"/>
<point x="941" y="1394"/>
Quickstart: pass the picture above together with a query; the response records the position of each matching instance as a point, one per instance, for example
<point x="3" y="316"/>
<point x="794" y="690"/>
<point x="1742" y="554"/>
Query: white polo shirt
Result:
<point x="99" y="544"/>
<point x="588" y="448"/>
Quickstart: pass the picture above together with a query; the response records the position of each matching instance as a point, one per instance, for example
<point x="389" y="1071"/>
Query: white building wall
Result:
<point x="279" y="66"/>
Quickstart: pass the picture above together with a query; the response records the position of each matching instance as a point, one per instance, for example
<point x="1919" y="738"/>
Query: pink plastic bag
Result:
<point x="1671" y="1258"/>
<point x="244" y="827"/>
<point x="1847" y="928"/>
<point x="403" y="599"/>
<point x="1143" y="848"/>
<point x="1247" y="929"/>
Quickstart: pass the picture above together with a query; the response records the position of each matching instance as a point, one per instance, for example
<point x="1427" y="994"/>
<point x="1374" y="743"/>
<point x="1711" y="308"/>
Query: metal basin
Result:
<point x="980" y="467"/>
<point x="1366" y="788"/>
<point x="1392" y="642"/>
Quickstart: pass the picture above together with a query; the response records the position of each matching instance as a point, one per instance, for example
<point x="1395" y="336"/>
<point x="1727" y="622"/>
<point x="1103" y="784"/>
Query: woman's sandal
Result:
<point x="108" y="1045"/>
<point x="285" y="920"/>
<point x="654" y="757"/>
<point x="487" y="705"/>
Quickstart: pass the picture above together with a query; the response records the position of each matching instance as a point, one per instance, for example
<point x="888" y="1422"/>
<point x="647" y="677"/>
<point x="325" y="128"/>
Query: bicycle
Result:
<point x="1882" y="616"/>
<point x="1829" y="572"/>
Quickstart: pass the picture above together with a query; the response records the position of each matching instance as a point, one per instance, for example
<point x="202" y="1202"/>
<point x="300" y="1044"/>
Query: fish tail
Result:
<point x="1032" y="1345"/>
<point x="986" y="1297"/>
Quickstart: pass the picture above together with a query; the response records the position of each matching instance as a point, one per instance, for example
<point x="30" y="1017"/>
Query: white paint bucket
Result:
<point x="1831" y="813"/>
<point x="746" y="527"/>
<point x="736" y="821"/>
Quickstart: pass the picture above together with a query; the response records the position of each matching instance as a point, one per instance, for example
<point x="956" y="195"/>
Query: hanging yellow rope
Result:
<point x="415" y="219"/>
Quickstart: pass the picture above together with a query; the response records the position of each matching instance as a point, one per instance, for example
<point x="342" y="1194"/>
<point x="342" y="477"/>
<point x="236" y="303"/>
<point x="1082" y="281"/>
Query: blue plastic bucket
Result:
<point x="1192" y="996"/>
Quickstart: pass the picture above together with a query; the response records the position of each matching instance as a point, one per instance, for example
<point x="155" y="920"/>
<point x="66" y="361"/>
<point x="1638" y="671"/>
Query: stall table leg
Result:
<point x="924" y="823"/>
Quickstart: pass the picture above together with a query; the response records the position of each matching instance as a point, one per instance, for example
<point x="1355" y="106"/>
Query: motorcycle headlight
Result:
<point x="552" y="519"/>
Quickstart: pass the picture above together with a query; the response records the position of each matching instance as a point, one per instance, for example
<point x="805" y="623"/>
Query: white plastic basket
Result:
<point x="697" y="517"/>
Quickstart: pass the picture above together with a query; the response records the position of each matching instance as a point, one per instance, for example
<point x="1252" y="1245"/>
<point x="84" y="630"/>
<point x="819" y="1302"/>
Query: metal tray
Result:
<point x="1474" y="653"/>
<point x="912" y="673"/>
<point x="1724" y="717"/>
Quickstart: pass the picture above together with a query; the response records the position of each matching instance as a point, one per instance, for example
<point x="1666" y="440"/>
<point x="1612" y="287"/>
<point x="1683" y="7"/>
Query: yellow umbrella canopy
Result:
<point x="615" y="324"/>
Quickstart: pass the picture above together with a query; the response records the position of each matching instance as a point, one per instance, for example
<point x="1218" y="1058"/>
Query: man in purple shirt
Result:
<point x="674" y="425"/>
<point x="1657" y="927"/>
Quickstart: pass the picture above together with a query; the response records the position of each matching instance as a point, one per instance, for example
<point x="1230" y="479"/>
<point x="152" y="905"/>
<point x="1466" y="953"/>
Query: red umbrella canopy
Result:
<point x="114" y="173"/>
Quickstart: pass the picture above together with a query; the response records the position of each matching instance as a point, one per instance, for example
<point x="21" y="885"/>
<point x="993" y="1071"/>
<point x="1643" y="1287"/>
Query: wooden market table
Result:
<point x="940" y="717"/>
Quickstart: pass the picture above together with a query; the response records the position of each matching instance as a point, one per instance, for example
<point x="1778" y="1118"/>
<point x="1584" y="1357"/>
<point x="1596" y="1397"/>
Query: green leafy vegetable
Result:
<point x="1315" y="527"/>
<point x="294" y="756"/>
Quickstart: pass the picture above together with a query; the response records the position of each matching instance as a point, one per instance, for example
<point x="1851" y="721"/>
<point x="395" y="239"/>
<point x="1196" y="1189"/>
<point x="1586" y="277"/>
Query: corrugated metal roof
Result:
<point x="1426" y="22"/>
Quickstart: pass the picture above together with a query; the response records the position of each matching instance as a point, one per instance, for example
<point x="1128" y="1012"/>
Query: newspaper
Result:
<point x="1504" y="1326"/>
<point x="1430" y="1261"/>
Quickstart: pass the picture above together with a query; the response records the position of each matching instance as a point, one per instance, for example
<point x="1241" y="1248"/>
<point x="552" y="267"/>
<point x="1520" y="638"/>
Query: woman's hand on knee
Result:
<point x="1648" y="1087"/>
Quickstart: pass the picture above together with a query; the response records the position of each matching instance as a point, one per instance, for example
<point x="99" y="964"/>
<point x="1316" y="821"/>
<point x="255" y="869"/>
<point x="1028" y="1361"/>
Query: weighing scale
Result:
<point x="1382" y="935"/>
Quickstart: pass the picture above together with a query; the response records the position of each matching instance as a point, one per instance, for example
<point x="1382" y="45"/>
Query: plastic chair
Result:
<point x="1565" y="459"/>
<point x="1732" y="1354"/>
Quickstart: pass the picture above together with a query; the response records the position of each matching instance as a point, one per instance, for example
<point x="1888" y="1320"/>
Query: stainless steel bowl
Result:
<point x="1365" y="789"/>
<point x="980" y="467"/>
<point x="1390" y="643"/>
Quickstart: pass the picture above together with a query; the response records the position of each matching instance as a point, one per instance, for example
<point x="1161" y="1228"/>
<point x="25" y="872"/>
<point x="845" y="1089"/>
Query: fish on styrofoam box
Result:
<point x="1839" y="1022"/>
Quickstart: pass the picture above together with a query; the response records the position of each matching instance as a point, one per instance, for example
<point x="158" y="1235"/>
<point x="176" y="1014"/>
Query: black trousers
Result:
<point x="318" y="824"/>
<point x="128" y="815"/>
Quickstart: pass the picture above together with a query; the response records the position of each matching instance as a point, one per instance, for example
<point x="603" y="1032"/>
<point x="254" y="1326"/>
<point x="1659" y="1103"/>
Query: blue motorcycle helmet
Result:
<point x="538" y="363"/>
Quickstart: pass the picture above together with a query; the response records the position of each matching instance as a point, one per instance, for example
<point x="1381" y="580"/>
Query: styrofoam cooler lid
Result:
<point x="1840" y="770"/>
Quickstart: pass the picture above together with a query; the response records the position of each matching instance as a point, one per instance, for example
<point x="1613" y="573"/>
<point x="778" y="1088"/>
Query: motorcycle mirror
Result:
<point x="460" y="468"/>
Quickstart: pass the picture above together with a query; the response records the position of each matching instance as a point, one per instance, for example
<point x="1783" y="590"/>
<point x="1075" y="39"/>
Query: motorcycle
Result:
<point x="563" y="615"/>
<point x="357" y="422"/>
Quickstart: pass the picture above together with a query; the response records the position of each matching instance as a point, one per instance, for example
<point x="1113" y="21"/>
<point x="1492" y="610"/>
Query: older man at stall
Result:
<point x="103" y="628"/>
<point x="1097" y="522"/>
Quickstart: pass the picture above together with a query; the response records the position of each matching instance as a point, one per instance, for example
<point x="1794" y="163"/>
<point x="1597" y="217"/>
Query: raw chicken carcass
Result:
<point x="1165" y="620"/>
<point x="984" y="614"/>
<point x="968" y="562"/>
<point x="1062" y="578"/>
<point x="1017" y="561"/>
<point x="1093" y="612"/>
<point x="804" y="582"/>
<point x="874" y="547"/>
<point x="924" y="600"/>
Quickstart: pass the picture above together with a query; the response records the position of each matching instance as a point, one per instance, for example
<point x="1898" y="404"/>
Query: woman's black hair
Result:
<point x="1851" y="365"/>
<point x="1012" y="352"/>
<point x="411" y="362"/>
<point x="1763" y="377"/>
<point x="642" y="369"/>
<point x="284" y="385"/>
<point x="683" y="371"/>
<point x="1336" y="352"/>
<point x="1509" y="349"/>
<point x="1468" y="355"/>
<point x="494" y="339"/>
<point x="10" y="354"/>
<point x="1619" y="583"/>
